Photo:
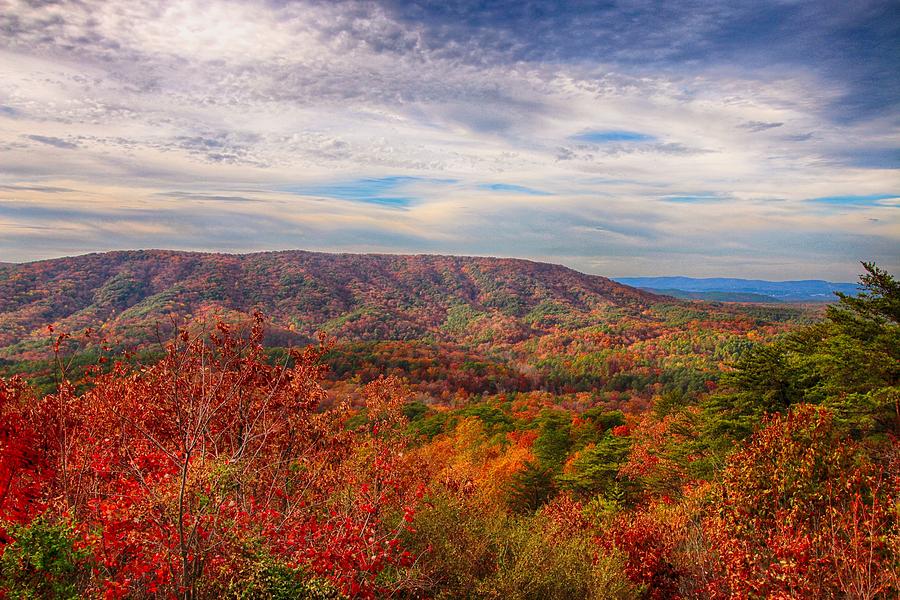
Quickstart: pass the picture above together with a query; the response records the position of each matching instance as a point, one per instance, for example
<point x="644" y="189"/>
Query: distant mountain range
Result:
<point x="741" y="290"/>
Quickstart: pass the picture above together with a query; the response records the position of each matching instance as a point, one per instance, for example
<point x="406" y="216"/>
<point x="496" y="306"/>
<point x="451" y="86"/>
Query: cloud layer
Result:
<point x="702" y="139"/>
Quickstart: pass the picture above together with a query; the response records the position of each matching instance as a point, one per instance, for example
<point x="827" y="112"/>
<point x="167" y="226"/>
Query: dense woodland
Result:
<point x="466" y="428"/>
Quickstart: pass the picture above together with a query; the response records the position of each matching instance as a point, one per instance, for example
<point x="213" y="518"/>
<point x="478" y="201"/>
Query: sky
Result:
<point x="701" y="138"/>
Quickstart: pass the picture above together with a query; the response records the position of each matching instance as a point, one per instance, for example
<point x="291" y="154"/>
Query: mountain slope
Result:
<point x="356" y="296"/>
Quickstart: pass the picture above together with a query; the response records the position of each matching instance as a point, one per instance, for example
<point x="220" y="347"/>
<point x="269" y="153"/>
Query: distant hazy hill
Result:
<point x="714" y="296"/>
<point x="354" y="296"/>
<point x="742" y="290"/>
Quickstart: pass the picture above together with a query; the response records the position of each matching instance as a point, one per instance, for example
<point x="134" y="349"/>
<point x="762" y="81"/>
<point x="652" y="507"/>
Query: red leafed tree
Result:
<point x="649" y="546"/>
<point x="659" y="458"/>
<point x="803" y="513"/>
<point x="183" y="473"/>
<point x="23" y="470"/>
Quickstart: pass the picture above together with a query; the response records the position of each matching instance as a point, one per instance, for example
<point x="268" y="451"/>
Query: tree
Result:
<point x="595" y="468"/>
<point x="553" y="442"/>
<point x="24" y="471"/>
<point x="530" y="488"/>
<point x="182" y="475"/>
<point x="850" y="363"/>
<point x="878" y="302"/>
<point x="802" y="512"/>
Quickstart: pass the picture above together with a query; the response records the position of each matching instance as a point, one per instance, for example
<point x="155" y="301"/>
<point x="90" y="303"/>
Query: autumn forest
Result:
<point x="303" y="425"/>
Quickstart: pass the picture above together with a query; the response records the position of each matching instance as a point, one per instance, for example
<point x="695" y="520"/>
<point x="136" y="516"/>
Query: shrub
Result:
<point x="44" y="561"/>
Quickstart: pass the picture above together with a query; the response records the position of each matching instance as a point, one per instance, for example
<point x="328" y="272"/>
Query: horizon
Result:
<point x="697" y="139"/>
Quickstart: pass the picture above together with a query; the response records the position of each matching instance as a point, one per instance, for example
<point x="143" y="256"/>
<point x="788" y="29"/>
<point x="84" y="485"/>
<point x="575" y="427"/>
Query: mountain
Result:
<point x="734" y="290"/>
<point x="714" y="296"/>
<point x="351" y="296"/>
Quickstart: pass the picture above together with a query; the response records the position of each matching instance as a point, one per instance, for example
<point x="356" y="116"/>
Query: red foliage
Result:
<point x="23" y="470"/>
<point x="802" y="513"/>
<point x="179" y="471"/>
<point x="621" y="431"/>
<point x="649" y="547"/>
<point x="657" y="459"/>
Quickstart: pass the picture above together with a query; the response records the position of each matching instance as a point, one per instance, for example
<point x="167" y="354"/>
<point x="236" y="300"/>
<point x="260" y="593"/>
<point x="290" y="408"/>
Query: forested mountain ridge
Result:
<point x="354" y="296"/>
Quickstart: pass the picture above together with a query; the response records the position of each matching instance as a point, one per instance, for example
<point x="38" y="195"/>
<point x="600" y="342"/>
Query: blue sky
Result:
<point x="607" y="136"/>
<point x="697" y="138"/>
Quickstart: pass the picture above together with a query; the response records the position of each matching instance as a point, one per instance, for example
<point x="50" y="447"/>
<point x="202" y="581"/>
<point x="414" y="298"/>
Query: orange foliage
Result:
<point x="469" y="465"/>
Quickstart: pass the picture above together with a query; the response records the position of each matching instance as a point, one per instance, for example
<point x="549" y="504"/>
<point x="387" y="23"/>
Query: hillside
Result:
<point x="450" y="326"/>
<point x="351" y="296"/>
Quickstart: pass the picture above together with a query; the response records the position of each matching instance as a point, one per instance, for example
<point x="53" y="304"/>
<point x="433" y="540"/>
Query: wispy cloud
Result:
<point x="757" y="126"/>
<point x="386" y="191"/>
<point x="697" y="198"/>
<point x="43" y="189"/>
<point x="200" y="197"/>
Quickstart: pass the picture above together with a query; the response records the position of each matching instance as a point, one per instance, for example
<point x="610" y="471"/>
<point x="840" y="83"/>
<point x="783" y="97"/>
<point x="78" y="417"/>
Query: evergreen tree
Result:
<point x="530" y="488"/>
<point x="850" y="363"/>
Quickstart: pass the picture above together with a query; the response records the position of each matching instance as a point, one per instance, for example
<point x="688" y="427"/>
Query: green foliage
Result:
<point x="554" y="440"/>
<point x="763" y="382"/>
<point x="460" y="317"/>
<point x="849" y="363"/>
<point x="271" y="580"/>
<point x="43" y="562"/>
<point x="671" y="401"/>
<point x="595" y="469"/>
<point x="877" y="304"/>
<point x="494" y="419"/>
<point x="546" y="311"/>
<point x="43" y="375"/>
<point x="156" y="304"/>
<point x="685" y="380"/>
<point x="538" y="561"/>
<point x="486" y="554"/>
<point x="506" y="303"/>
<point x="414" y="411"/>
<point x="426" y="424"/>
<point x="680" y="314"/>
<point x="359" y="419"/>
<point x="429" y="426"/>
<point x="530" y="488"/>
<point x="457" y="546"/>
<point x="121" y="291"/>
<point x="335" y="324"/>
<point x="604" y="420"/>
<point x="602" y="509"/>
